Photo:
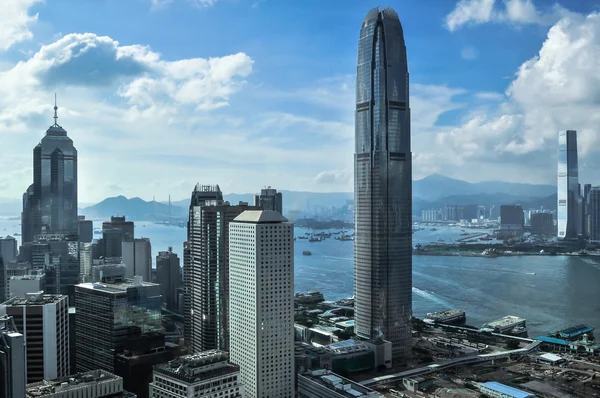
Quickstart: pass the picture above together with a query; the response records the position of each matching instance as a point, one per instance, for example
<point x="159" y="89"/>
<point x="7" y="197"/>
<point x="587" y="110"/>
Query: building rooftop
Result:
<point x="343" y="386"/>
<point x="46" y="388"/>
<point x="195" y="367"/>
<point x="33" y="299"/>
<point x="574" y="331"/>
<point x="117" y="287"/>
<point x="507" y="390"/>
<point x="347" y="346"/>
<point x="28" y="277"/>
<point x="506" y="321"/>
<point x="260" y="216"/>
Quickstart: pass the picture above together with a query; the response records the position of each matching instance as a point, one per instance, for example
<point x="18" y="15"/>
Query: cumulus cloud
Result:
<point x="518" y="12"/>
<point x="557" y="89"/>
<point x="335" y="178"/>
<point x="15" y="20"/>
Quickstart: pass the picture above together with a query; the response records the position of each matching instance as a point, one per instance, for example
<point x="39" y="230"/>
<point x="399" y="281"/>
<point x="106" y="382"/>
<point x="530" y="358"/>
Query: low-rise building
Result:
<point x="201" y="375"/>
<point x="498" y="390"/>
<point x="92" y="384"/>
<point x="325" y="384"/>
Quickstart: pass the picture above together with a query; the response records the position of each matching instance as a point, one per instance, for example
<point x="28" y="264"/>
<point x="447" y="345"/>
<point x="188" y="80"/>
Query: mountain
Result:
<point x="436" y="186"/>
<point x="135" y="209"/>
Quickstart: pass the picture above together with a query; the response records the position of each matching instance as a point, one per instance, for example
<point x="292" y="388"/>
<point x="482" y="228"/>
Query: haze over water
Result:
<point x="551" y="292"/>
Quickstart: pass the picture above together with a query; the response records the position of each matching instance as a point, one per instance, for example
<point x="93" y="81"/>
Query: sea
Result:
<point x="551" y="292"/>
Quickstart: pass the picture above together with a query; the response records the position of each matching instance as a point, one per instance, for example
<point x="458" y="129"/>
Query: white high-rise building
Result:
<point x="261" y="288"/>
<point x="137" y="257"/>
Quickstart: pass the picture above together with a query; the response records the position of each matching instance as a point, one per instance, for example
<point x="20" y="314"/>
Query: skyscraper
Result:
<point x="137" y="257"/>
<point x="86" y="229"/>
<point x="261" y="262"/>
<point x="114" y="232"/>
<point x="8" y="249"/>
<point x="269" y="199"/>
<point x="593" y="219"/>
<point x="209" y="250"/>
<point x="383" y="184"/>
<point x="50" y="203"/>
<point x="200" y="195"/>
<point x="13" y="369"/>
<point x="569" y="195"/>
<point x="44" y="321"/>
<point x="168" y="277"/>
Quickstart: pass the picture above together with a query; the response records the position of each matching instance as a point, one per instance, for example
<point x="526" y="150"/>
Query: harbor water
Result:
<point x="551" y="292"/>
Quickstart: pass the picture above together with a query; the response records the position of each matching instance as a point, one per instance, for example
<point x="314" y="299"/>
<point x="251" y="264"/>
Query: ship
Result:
<point x="313" y="239"/>
<point x="306" y="253"/>
<point x="312" y="297"/>
<point x="447" y="317"/>
<point x="506" y="325"/>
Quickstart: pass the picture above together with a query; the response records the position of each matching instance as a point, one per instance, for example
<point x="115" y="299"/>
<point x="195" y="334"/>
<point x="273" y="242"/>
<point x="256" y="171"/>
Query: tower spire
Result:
<point x="55" y="113"/>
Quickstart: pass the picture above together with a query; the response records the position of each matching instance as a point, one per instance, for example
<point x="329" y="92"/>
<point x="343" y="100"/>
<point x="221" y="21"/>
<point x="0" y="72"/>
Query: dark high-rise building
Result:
<point x="269" y="199"/>
<point x="108" y="315"/>
<point x="200" y="195"/>
<point x="209" y="253"/>
<point x="383" y="184"/>
<point x="569" y="194"/>
<point x="13" y="369"/>
<point x="585" y="210"/>
<point x="114" y="232"/>
<point x="512" y="218"/>
<point x="137" y="257"/>
<point x="50" y="203"/>
<point x="44" y="321"/>
<point x="542" y="223"/>
<point x="86" y="230"/>
<point x="8" y="249"/>
<point x="3" y="280"/>
<point x="593" y="219"/>
<point x="168" y="277"/>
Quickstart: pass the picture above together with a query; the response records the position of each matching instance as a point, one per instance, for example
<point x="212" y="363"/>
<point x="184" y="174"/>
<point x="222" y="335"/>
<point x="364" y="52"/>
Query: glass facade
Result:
<point x="383" y="185"/>
<point x="569" y="196"/>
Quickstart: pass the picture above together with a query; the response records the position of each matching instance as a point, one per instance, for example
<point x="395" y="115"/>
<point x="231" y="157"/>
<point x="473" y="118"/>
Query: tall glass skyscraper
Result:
<point x="569" y="195"/>
<point x="383" y="184"/>
<point x="50" y="203"/>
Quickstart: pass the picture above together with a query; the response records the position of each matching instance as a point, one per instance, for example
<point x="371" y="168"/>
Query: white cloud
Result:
<point x="340" y="179"/>
<point x="557" y="89"/>
<point x="468" y="53"/>
<point x="517" y="12"/>
<point x="491" y="96"/>
<point x="204" y="3"/>
<point x="15" y="21"/>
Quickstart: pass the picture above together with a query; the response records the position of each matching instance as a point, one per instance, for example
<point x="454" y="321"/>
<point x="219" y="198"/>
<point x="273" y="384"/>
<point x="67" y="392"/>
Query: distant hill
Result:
<point x="436" y="186"/>
<point x="135" y="209"/>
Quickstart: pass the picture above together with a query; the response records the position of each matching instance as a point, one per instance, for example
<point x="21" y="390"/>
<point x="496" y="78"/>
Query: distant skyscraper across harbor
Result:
<point x="383" y="185"/>
<point x="269" y="199"/>
<point x="569" y="195"/>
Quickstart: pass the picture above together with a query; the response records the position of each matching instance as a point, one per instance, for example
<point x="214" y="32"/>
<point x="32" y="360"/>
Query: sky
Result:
<point x="160" y="94"/>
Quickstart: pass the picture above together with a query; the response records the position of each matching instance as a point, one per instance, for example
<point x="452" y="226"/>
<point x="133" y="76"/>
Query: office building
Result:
<point x="209" y="253"/>
<point x="202" y="375"/>
<point x="56" y="255"/>
<point x="431" y="215"/>
<point x="13" y="369"/>
<point x="585" y="210"/>
<point x="269" y="199"/>
<point x="93" y="384"/>
<point x="3" y="281"/>
<point x="86" y="229"/>
<point x="593" y="219"/>
<point x="19" y="286"/>
<point x="50" y="203"/>
<point x="108" y="271"/>
<point x="542" y="223"/>
<point x="200" y="195"/>
<point x="86" y="257"/>
<point x="140" y="353"/>
<point x="569" y="195"/>
<point x="383" y="185"/>
<point x="512" y="218"/>
<point x="261" y="269"/>
<point x="325" y="384"/>
<point x="44" y="320"/>
<point x="110" y="313"/>
<point x="168" y="276"/>
<point x="186" y="299"/>
<point x="8" y="249"/>
<point x="114" y="232"/>
<point x="137" y="257"/>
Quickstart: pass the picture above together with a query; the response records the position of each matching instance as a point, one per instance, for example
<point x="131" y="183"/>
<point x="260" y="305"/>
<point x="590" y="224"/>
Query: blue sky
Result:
<point x="158" y="95"/>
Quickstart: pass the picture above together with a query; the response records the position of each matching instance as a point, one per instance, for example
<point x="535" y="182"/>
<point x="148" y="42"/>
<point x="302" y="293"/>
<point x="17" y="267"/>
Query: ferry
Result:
<point x="446" y="317"/>
<point x="306" y="253"/>
<point x="313" y="239"/>
<point x="507" y="325"/>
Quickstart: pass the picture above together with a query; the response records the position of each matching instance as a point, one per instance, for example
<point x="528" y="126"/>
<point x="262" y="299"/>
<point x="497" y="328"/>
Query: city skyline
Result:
<point x="290" y="110"/>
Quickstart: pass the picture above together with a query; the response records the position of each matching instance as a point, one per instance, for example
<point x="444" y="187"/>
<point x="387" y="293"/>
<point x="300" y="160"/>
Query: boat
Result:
<point x="518" y="331"/>
<point x="433" y="229"/>
<point x="306" y="253"/>
<point x="313" y="239"/>
<point x="507" y="324"/>
<point x="446" y="317"/>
